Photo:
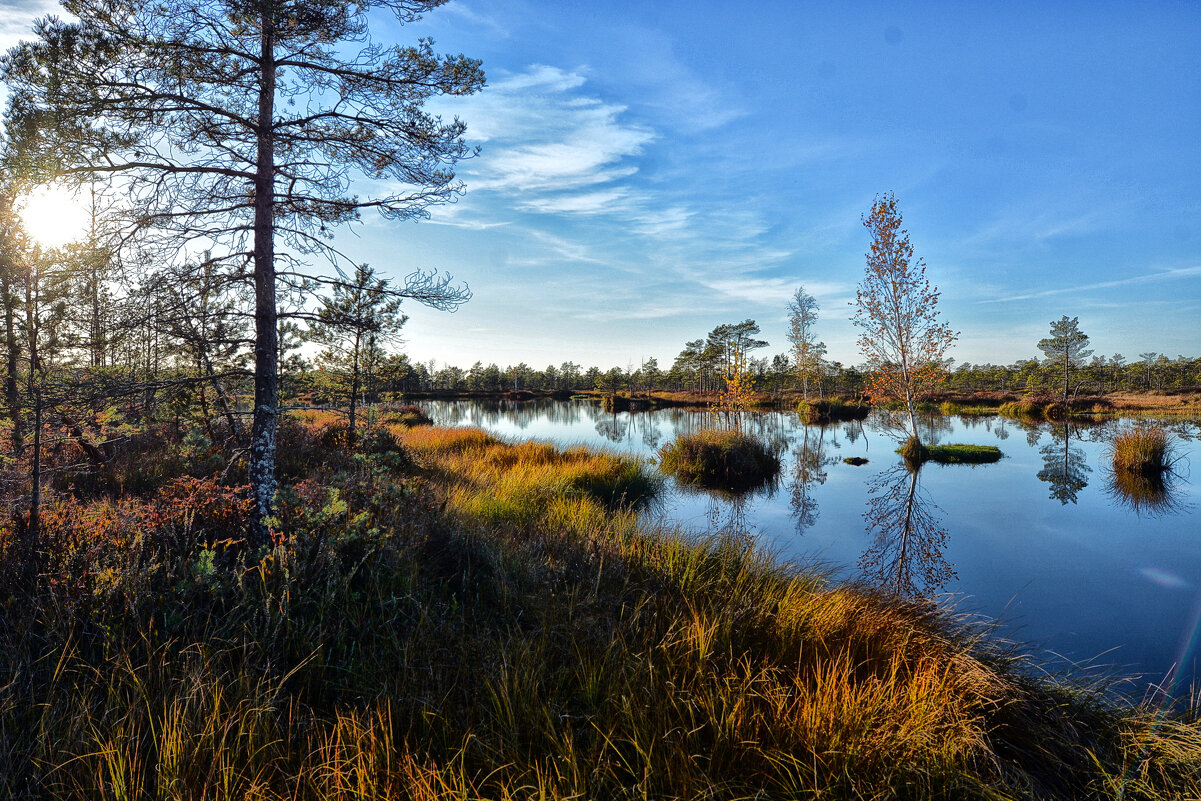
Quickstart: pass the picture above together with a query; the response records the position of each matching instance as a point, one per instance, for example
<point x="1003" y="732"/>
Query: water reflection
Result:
<point x="810" y="463"/>
<point x="1064" y="465"/>
<point x="613" y="427"/>
<point x="1146" y="495"/>
<point x="907" y="556"/>
<point x="728" y="516"/>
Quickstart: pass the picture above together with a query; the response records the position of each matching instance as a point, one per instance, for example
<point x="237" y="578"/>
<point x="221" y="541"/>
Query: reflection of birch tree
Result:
<point x="1064" y="466"/>
<point x="906" y="557"/>
<point x="811" y="462"/>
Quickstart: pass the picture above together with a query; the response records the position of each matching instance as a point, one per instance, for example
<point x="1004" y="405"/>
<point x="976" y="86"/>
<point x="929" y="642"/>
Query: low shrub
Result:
<point x="722" y="460"/>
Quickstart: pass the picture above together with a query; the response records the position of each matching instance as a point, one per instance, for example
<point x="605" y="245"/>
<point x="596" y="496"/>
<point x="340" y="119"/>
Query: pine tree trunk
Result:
<point x="12" y="391"/>
<point x="266" y="344"/>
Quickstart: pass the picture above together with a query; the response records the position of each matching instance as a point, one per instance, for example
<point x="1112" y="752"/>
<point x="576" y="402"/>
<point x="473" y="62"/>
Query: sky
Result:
<point x="650" y="169"/>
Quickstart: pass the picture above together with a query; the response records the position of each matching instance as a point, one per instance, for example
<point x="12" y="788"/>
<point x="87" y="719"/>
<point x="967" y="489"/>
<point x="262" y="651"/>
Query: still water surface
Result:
<point x="1091" y="576"/>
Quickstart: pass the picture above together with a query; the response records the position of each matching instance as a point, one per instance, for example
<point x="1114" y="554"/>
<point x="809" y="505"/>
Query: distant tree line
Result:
<point x="699" y="370"/>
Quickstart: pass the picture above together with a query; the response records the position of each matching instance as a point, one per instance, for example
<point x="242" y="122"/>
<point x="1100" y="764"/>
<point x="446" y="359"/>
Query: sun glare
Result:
<point x="54" y="216"/>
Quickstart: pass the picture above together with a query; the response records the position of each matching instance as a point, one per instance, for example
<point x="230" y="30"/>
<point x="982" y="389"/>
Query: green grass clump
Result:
<point x="831" y="410"/>
<point x="719" y="459"/>
<point x="914" y="452"/>
<point x="967" y="409"/>
<point x="1145" y="450"/>
<point x="1022" y="410"/>
<point x="409" y="415"/>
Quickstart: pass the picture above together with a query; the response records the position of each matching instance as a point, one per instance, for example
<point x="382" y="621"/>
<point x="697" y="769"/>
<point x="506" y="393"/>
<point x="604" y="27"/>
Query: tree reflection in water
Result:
<point x="810" y="462"/>
<point x="1064" y="466"/>
<point x="907" y="556"/>
<point x="614" y="426"/>
<point x="727" y="517"/>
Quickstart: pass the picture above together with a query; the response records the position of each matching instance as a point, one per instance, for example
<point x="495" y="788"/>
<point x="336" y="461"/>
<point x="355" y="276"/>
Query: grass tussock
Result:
<point x="830" y="410"/>
<point x="1143" y="450"/>
<point x="726" y="460"/>
<point x="1025" y="409"/>
<point x="409" y="415"/>
<point x="390" y="646"/>
<point x="914" y="452"/>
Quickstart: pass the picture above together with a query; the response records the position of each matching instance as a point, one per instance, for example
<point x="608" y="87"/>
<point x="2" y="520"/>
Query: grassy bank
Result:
<point x="484" y="620"/>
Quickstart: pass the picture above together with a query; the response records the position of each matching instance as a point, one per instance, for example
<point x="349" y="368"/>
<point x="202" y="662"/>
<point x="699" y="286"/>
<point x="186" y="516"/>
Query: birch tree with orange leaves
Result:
<point x="902" y="335"/>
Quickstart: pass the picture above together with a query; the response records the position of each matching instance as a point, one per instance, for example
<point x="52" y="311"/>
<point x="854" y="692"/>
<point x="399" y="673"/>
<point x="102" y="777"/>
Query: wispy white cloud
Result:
<point x="17" y="16"/>
<point x="542" y="138"/>
<point x="560" y="249"/>
<point x="656" y="311"/>
<point x="666" y="222"/>
<point x="465" y="14"/>
<point x="777" y="291"/>
<point x="678" y="94"/>
<point x="1162" y="275"/>
<point x="574" y="203"/>
<point x="1045" y="219"/>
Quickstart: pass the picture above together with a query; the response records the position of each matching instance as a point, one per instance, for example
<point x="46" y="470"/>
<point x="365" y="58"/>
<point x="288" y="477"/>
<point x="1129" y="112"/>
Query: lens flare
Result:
<point x="54" y="216"/>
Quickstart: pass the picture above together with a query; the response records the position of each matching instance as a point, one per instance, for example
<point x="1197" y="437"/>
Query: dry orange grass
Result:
<point x="1183" y="403"/>
<point x="318" y="418"/>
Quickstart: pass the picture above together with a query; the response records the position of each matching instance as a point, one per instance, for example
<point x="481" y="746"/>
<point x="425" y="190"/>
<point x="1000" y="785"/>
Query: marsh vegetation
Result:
<point x="479" y="618"/>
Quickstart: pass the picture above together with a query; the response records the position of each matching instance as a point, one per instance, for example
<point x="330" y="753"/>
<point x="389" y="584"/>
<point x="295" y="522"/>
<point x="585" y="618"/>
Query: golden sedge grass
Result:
<point x="1143" y="450"/>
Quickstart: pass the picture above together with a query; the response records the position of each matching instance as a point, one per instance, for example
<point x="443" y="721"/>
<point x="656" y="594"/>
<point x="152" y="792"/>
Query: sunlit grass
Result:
<point x="1145" y="450"/>
<point x="494" y="481"/>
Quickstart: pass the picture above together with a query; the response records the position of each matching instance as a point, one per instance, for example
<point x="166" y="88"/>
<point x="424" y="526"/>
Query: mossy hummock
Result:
<point x="915" y="452"/>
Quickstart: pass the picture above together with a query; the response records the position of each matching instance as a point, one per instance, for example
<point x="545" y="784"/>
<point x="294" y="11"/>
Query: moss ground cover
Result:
<point x="401" y="639"/>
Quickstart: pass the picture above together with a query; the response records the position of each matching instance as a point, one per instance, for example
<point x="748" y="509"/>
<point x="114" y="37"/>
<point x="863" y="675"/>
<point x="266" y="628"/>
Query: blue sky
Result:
<point x="649" y="170"/>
